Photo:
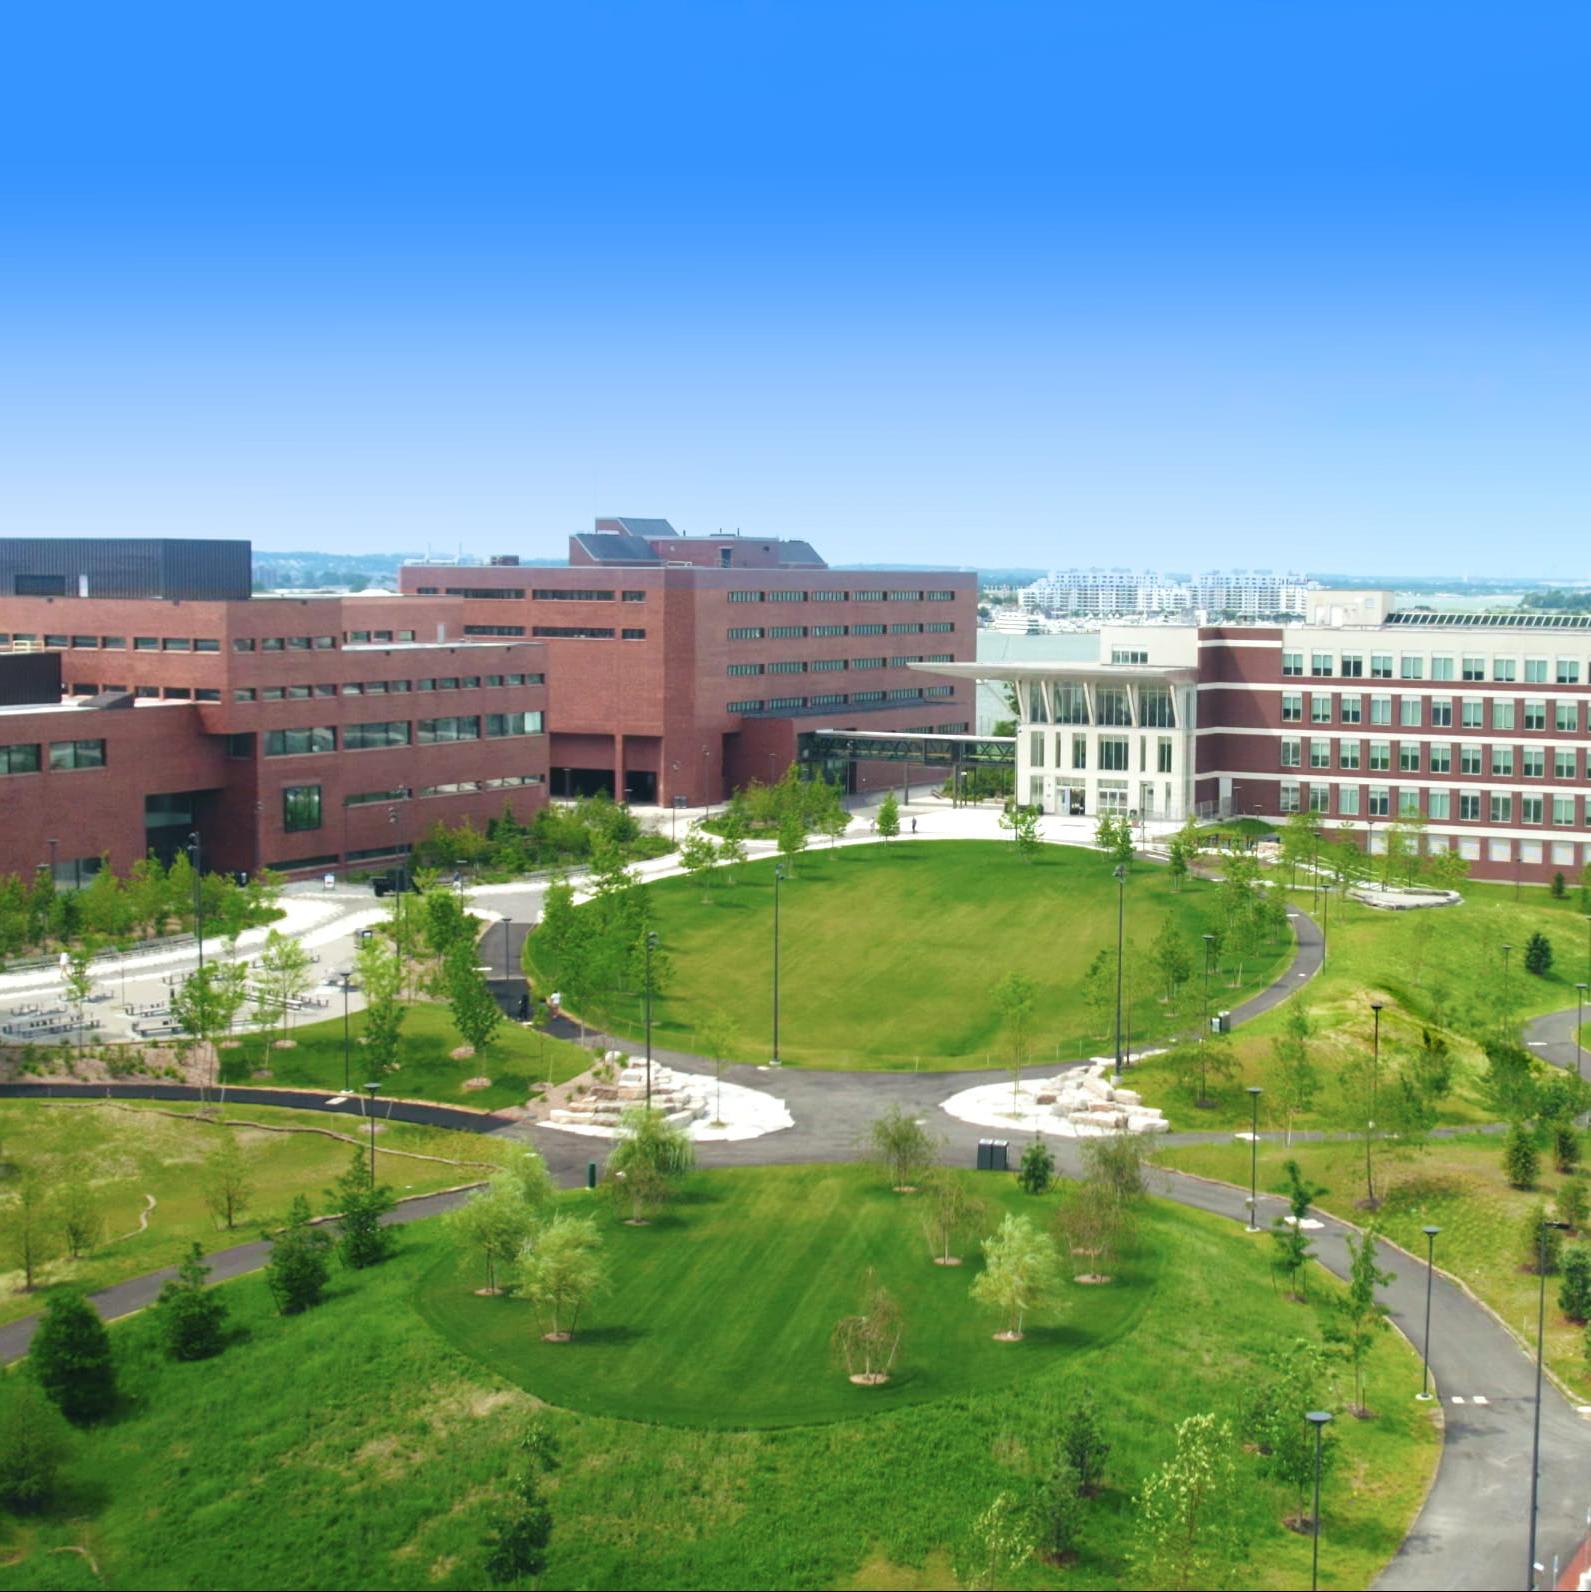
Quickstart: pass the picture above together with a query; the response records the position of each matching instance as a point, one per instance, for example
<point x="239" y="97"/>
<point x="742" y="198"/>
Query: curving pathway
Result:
<point x="1470" y="1532"/>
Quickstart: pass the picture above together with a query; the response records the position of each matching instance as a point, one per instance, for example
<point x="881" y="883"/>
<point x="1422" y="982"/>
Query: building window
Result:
<point x="744" y="668"/>
<point x="1353" y="665"/>
<point x="1036" y="749"/>
<point x="20" y="758"/>
<point x="1563" y="760"/>
<point x="1441" y="757"/>
<point x="1505" y="669"/>
<point x="1568" y="671"/>
<point x="1292" y="707"/>
<point x="1531" y="810"/>
<point x="1408" y="757"/>
<point x="1503" y="761"/>
<point x="1320" y="708"/>
<point x="573" y="632"/>
<point x="1502" y="808"/>
<point x="743" y="707"/>
<point x="1409" y="712"/>
<point x="1469" y="806"/>
<point x="243" y="693"/>
<point x="1292" y="756"/>
<point x="1441" y="668"/>
<point x="1411" y="667"/>
<point x="1380" y="757"/>
<point x="77" y="754"/>
<point x="1502" y="714"/>
<point x="1408" y="804"/>
<point x="113" y="643"/>
<point x="1499" y="850"/>
<point x="376" y="735"/>
<point x="1111" y="705"/>
<point x="574" y="594"/>
<point x="1349" y="753"/>
<point x="494" y="630"/>
<point x="296" y="743"/>
<point x="1563" y="811"/>
<point x="1380" y="710"/>
<point x="1351" y="709"/>
<point x="632" y="635"/>
<point x="632" y="596"/>
<point x="462" y="727"/>
<point x="1320" y="754"/>
<point x="300" y="807"/>
<point x="1566" y="716"/>
<point x="871" y="663"/>
<point x="1320" y="798"/>
<point x="1380" y="799"/>
<point x="1533" y="762"/>
<point x="501" y="724"/>
<point x="1289" y="796"/>
<point x="1380" y="665"/>
<point x="1439" y="804"/>
<point x="1292" y="663"/>
<point x="1474" y="668"/>
<point x="745" y="596"/>
<point x="1320" y="664"/>
<point x="1535" y="671"/>
<point x="1441" y="713"/>
<point x="146" y="643"/>
<point x="1348" y="801"/>
<point x="1535" y="715"/>
<point x="1113" y="752"/>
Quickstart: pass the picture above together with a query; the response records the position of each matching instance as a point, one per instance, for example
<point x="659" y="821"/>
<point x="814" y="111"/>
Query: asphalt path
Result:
<point x="1472" y="1529"/>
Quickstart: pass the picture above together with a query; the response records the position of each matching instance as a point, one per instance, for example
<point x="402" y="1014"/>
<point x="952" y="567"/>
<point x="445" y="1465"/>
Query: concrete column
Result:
<point x="618" y="768"/>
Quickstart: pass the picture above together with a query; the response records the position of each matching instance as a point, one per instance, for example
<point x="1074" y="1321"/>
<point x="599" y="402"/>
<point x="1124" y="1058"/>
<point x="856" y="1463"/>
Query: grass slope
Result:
<point x="356" y="1447"/>
<point x="889" y="954"/>
<point x="129" y="1151"/>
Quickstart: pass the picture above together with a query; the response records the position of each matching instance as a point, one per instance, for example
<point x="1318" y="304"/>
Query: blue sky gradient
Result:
<point x="1143" y="283"/>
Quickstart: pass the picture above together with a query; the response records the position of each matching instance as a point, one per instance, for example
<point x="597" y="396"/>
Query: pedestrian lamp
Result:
<point x="778" y="879"/>
<point x="651" y="945"/>
<point x="1425" y="1347"/>
<point x="345" y="979"/>
<point x="1375" y="1062"/>
<point x="508" y="966"/>
<point x="1209" y="956"/>
<point x="1535" y="1440"/>
<point x="1254" y="1093"/>
<point x="370" y="1112"/>
<point x="1120" y="872"/>
<point x="1507" y="951"/>
<point x="1317" y="1419"/>
<point x="1579" y="1027"/>
<point x="198" y="898"/>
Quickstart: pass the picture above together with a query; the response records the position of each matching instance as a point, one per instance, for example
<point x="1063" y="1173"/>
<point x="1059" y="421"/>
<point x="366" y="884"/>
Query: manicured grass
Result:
<point x="129" y="1151"/>
<point x="354" y="1446"/>
<point x="889" y="954"/>
<point x="517" y="1059"/>
<point x="1456" y="1184"/>
<point x="1439" y="968"/>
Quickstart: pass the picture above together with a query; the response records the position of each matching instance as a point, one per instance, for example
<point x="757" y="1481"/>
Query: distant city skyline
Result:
<point x="1007" y="285"/>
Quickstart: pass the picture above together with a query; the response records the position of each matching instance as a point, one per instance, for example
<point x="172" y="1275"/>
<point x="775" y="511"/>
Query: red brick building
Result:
<point x="683" y="667"/>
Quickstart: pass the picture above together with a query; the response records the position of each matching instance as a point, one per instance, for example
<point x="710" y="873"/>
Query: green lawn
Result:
<point x="517" y="1059"/>
<point x="889" y="954"/>
<point x="355" y="1446"/>
<point x="1456" y="1184"/>
<point x="1438" y="968"/>
<point x="128" y="1152"/>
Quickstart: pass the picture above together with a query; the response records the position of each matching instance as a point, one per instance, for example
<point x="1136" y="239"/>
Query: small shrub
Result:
<point x="1560" y="887"/>
<point x="192" y="1317"/>
<point x="1565" y="1146"/>
<point x="1084" y="1444"/>
<point x="1521" y="1159"/>
<point x="297" y="1270"/>
<point x="1538" y="954"/>
<point x="71" y="1357"/>
<point x="1540" y="1242"/>
<point x="1574" y="1291"/>
<point x="1574" y="1203"/>
<point x="34" y="1444"/>
<point x="1036" y="1171"/>
<point x="361" y="1202"/>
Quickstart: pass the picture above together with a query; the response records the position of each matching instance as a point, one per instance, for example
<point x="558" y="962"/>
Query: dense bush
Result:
<point x="71" y="1357"/>
<point x="559" y="834"/>
<point x="34" y="1444"/>
<point x="297" y="1270"/>
<point x="192" y="1317"/>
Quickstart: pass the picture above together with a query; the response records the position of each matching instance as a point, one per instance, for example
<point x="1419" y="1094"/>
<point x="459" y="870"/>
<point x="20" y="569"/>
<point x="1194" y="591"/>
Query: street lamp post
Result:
<point x="1507" y="951"/>
<point x="778" y="879"/>
<point x="370" y="1112"/>
<point x="1254" y="1093"/>
<point x="1209" y="954"/>
<point x="1535" y="1439"/>
<point x="1120" y="872"/>
<point x="1375" y="1056"/>
<point x="1317" y="1419"/>
<point x="198" y="897"/>
<point x="651" y="945"/>
<point x="1579" y="1027"/>
<point x="508" y="951"/>
<point x="346" y="980"/>
<point x="1425" y="1345"/>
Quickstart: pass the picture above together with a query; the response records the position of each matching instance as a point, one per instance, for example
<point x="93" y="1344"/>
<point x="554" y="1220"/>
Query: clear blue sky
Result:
<point x="1128" y="283"/>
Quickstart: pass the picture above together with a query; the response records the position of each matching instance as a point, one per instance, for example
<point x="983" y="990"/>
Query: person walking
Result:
<point x="914" y="826"/>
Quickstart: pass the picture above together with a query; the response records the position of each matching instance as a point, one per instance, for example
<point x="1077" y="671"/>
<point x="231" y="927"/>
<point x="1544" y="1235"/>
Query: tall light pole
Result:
<point x="1209" y="954"/>
<point x="1579" y="1027"/>
<point x="1375" y="1056"/>
<point x="370" y="1112"/>
<point x="508" y="964"/>
<point x="1317" y="1419"/>
<point x="651" y="945"/>
<point x="198" y="897"/>
<point x="1254" y="1093"/>
<point x="1535" y="1439"/>
<point x="778" y="879"/>
<point x="1121" y="913"/>
<point x="345" y="978"/>
<point x="1425" y="1345"/>
<point x="1507" y="950"/>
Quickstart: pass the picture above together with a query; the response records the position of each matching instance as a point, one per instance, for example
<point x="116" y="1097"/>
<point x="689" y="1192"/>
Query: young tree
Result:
<point x="833" y="820"/>
<point x="1173" y="962"/>
<point x="1186" y="1507"/>
<point x="1359" y="1112"/>
<point x="1521" y="1159"/>
<point x="1091" y="1223"/>
<point x="284" y="977"/>
<point x="1300" y="841"/>
<point x="1014" y="999"/>
<point x="1540" y="1242"/>
<point x="888" y="820"/>
<point x="868" y="1343"/>
<point x="77" y="981"/>
<point x="35" y="1443"/>
<point x="902" y="1146"/>
<point x="297" y="1271"/>
<point x="1538" y="954"/>
<point x="791" y="839"/>
<point x="381" y="979"/>
<point x="516" y="1548"/>
<point x="716" y="1034"/>
<point x="226" y="1183"/>
<point x="648" y="1159"/>
<point x="1366" y="1315"/>
<point x="698" y="856"/>
<point x="561" y="1272"/>
<point x="1056" y="1505"/>
<point x="1293" y="1248"/>
<point x="1019" y="1273"/>
<point x="192" y="1317"/>
<point x="1574" y="1291"/>
<point x="1007" y="1537"/>
<point x="359" y="1203"/>
<point x="1083" y="1442"/>
<point x="1297" y="1079"/>
<point x="77" y="1209"/>
<point x="496" y="1221"/>
<point x="732" y="842"/>
<point x="951" y="1211"/>
<point x="1298" y="1377"/>
<point x="1573" y="1203"/>
<point x="72" y="1360"/>
<point x="29" y="1232"/>
<point x="1036" y="1170"/>
<point x="200" y="1007"/>
<point x="1114" y="1162"/>
<point x="474" y="1009"/>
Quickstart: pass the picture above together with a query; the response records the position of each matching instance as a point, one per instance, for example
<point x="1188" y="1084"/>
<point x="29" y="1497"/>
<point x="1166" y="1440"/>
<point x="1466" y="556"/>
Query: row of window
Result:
<point x="303" y="806"/>
<point x="114" y="643"/>
<point x="551" y="594"/>
<point x="1436" y="757"/>
<point x="1112" y="704"/>
<point x="820" y="665"/>
<point x="399" y="732"/>
<point x="1114" y="752"/>
<point x="838" y="699"/>
<point x="1438" y="806"/>
<point x="585" y="633"/>
<point x="24" y="757"/>
<point x="1506" y="713"/>
<point x="842" y="596"/>
<point x="446" y="682"/>
<point x="791" y="632"/>
<point x="365" y="638"/>
<point x="1443" y="666"/>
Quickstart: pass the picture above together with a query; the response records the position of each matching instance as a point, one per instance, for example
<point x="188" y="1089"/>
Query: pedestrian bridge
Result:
<point x="824" y="749"/>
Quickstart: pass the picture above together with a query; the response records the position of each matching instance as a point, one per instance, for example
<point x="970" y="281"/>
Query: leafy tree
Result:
<point x="901" y="1145"/>
<point x="950" y="1212"/>
<point x="297" y="1271"/>
<point x="561" y="1272"/>
<point x="868" y="1342"/>
<point x="1182" y="851"/>
<point x="1083" y="1442"/>
<point x="283" y="975"/>
<point x="78" y="1211"/>
<point x="1297" y="1378"/>
<point x="516" y="1548"/>
<point x="1036" y="1170"/>
<point x="35" y="1443"/>
<point x="29" y="1230"/>
<point x="1006" y="1536"/>
<point x="1057" y="1510"/>
<point x="359" y="1203"/>
<point x="1296" y="1078"/>
<point x="1173" y="961"/>
<point x="698" y="856"/>
<point x="1293" y="1248"/>
<point x="1300" y="839"/>
<point x="556" y="925"/>
<point x="1185" y="1510"/>
<point x="1509" y="1083"/>
<point x="1020" y="1273"/>
<point x="833" y="820"/>
<point x="1114" y="1162"/>
<point x="1366" y="1315"/>
<point x="1014" y="999"/>
<point x="1023" y="824"/>
<point x="1540" y="1242"/>
<point x="1092" y="1223"/>
<point x="1560" y="886"/>
<point x="648" y="1158"/>
<point x="497" y="1221"/>
<point x="1521" y="1159"/>
<point x="1538" y="954"/>
<point x="205" y="1004"/>
<point x="224" y="1178"/>
<point x="1574" y="1291"/>
<point x="1573" y="1203"/>
<point x="1359" y="1112"/>
<point x="192" y="1317"/>
<point x="888" y="820"/>
<point x="792" y="839"/>
<point x="1113" y="836"/>
<point x="474" y="1009"/>
<point x="72" y="1360"/>
<point x="381" y="979"/>
<point x="716" y="1034"/>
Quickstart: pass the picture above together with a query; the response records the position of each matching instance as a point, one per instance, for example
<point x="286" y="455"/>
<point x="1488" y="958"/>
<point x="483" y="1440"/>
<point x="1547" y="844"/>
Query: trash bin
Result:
<point x="984" y="1146"/>
<point x="999" y="1155"/>
<point x="1222" y="1022"/>
<point x="591" y="1174"/>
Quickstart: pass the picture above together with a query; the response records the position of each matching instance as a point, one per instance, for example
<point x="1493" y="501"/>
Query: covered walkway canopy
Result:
<point x="920" y="749"/>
